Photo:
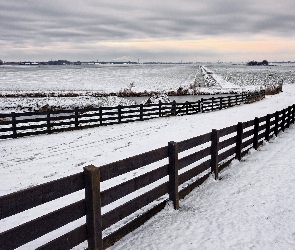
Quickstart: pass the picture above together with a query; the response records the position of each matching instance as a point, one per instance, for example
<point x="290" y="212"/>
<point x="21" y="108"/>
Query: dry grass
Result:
<point x="273" y="90"/>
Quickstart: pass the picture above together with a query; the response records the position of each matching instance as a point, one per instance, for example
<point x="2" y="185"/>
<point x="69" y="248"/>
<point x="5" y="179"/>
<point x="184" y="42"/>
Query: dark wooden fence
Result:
<point x="32" y="123"/>
<point x="167" y="173"/>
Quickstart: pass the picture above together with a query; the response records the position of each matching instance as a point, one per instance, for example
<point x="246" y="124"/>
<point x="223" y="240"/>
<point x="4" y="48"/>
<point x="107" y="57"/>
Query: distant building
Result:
<point x="254" y="63"/>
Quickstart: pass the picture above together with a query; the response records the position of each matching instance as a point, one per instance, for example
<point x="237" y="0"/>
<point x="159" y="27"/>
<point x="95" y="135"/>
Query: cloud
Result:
<point x="122" y="59"/>
<point x="41" y="26"/>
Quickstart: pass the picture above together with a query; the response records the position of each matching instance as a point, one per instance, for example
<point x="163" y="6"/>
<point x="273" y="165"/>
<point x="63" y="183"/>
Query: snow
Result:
<point x="99" y="78"/>
<point x="8" y="105"/>
<point x="251" y="206"/>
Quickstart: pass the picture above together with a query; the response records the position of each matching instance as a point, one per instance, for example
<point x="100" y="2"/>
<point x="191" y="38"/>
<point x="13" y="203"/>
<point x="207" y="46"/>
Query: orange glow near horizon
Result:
<point x="221" y="45"/>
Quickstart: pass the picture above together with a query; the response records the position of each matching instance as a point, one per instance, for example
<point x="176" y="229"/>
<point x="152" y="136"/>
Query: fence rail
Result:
<point x="33" y="123"/>
<point x="174" y="174"/>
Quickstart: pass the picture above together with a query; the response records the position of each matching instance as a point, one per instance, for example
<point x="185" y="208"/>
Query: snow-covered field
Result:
<point x="252" y="206"/>
<point x="87" y="82"/>
<point x="104" y="78"/>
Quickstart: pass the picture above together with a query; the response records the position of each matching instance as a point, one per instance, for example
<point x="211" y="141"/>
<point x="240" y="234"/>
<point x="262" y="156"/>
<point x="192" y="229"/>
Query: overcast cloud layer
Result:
<point x="188" y="30"/>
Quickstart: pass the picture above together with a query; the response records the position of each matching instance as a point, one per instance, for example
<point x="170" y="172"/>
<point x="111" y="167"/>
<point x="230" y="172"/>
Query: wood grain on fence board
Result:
<point x="256" y="131"/>
<point x="173" y="173"/>
<point x="227" y="130"/>
<point x="132" y="225"/>
<point x="230" y="141"/>
<point x="17" y="202"/>
<point x="114" y="193"/>
<point x="121" y="167"/>
<point x="249" y="133"/>
<point x="195" y="171"/>
<point x="194" y="142"/>
<point x="239" y="140"/>
<point x="261" y="136"/>
<point x="5" y="130"/>
<point x="132" y="206"/>
<point x="214" y="152"/>
<point x="93" y="207"/>
<point x="36" y="228"/>
<point x="190" y="159"/>
<point x="247" y="143"/>
<point x="68" y="240"/>
<point x="231" y="152"/>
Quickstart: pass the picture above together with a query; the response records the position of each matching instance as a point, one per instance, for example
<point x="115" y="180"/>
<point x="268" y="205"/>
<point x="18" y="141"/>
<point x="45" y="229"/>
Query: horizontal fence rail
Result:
<point x="33" y="123"/>
<point x="167" y="173"/>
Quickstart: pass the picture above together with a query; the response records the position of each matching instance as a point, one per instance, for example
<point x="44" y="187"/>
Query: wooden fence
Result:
<point x="32" y="123"/>
<point x="167" y="173"/>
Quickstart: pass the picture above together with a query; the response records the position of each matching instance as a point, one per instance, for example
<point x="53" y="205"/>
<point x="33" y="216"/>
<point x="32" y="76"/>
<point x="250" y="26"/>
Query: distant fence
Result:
<point x="33" y="123"/>
<point x="180" y="167"/>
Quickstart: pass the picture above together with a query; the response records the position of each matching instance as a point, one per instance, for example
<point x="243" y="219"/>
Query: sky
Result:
<point x="176" y="30"/>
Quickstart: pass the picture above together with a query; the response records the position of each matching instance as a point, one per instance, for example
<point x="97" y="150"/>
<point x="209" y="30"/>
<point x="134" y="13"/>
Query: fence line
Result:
<point x="33" y="123"/>
<point x="176" y="173"/>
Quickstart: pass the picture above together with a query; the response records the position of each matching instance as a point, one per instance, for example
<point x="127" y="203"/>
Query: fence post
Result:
<point x="212" y="104"/>
<point x="289" y="117"/>
<point x="173" y="173"/>
<point x="141" y="112"/>
<point x="93" y="207"/>
<point x="220" y="103"/>
<point x="239" y="141"/>
<point x="119" y="113"/>
<point x="100" y="115"/>
<point x="186" y="107"/>
<point x="76" y="118"/>
<point x="276" y="123"/>
<point x="256" y="130"/>
<point x="173" y="108"/>
<point x="48" y="122"/>
<point x="200" y="105"/>
<point x="13" y="117"/>
<point x="160" y="108"/>
<point x="293" y="113"/>
<point x="267" y="127"/>
<point x="214" y="152"/>
<point x="283" y="120"/>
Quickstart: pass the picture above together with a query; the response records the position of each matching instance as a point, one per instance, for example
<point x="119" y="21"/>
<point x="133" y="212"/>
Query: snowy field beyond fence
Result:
<point x="251" y="206"/>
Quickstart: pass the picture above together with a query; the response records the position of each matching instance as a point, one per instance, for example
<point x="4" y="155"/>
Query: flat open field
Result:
<point x="85" y="83"/>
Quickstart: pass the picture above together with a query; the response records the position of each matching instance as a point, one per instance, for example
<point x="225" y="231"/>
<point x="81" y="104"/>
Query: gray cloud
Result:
<point x="37" y="26"/>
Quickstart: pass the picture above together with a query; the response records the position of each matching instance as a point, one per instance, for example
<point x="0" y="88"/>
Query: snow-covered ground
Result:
<point x="105" y="79"/>
<point x="250" y="207"/>
<point x="100" y="78"/>
<point x="22" y="104"/>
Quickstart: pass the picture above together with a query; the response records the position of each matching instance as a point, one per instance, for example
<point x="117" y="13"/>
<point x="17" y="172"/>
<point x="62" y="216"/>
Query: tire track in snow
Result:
<point x="81" y="143"/>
